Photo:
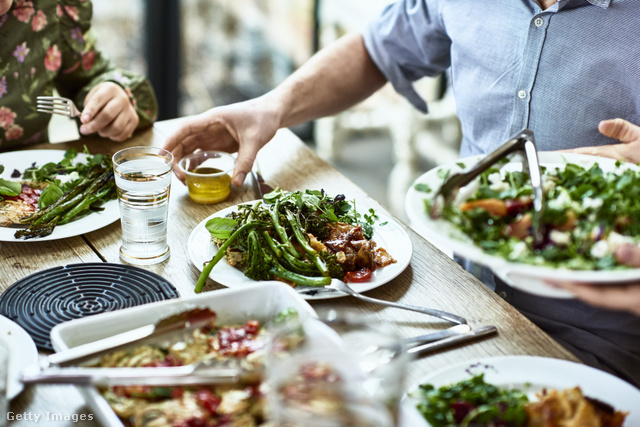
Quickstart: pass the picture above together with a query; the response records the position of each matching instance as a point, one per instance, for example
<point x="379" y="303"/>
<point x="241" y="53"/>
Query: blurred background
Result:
<point x="202" y="53"/>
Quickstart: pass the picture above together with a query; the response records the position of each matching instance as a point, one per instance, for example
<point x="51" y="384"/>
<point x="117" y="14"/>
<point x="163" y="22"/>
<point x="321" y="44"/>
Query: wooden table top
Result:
<point x="432" y="279"/>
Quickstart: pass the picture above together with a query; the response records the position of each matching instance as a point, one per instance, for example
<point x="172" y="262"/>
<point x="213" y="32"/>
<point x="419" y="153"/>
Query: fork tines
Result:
<point x="55" y="105"/>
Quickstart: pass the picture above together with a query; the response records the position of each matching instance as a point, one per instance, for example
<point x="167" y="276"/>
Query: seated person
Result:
<point x="47" y="45"/>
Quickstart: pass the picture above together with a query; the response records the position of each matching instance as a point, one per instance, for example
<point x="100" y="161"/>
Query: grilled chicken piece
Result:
<point x="12" y="210"/>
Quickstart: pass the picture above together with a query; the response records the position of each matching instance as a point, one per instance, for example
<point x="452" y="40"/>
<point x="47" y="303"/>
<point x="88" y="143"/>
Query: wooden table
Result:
<point x="432" y="279"/>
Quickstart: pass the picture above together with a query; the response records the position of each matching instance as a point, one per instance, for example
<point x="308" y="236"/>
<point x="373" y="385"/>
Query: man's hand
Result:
<point x="627" y="133"/>
<point x="618" y="297"/>
<point x="109" y="112"/>
<point x="244" y="127"/>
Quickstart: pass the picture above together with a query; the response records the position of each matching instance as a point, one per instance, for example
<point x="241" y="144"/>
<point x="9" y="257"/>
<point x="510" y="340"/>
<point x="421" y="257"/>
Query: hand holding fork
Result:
<point x="108" y="111"/>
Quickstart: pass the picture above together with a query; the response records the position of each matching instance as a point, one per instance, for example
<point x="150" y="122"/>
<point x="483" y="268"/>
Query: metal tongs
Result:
<point x="524" y="143"/>
<point x="66" y="367"/>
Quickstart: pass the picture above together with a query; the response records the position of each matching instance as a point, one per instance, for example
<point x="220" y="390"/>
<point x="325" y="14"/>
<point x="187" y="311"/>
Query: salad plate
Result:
<point x="390" y="236"/>
<point x="531" y="374"/>
<point x="21" y="160"/>
<point x="22" y="353"/>
<point x="527" y="277"/>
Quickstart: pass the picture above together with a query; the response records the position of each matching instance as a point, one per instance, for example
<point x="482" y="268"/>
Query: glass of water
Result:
<point x="143" y="180"/>
<point x="336" y="370"/>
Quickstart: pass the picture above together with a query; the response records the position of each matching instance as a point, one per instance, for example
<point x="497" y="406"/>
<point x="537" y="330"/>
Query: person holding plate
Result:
<point x="556" y="67"/>
<point x="47" y="45"/>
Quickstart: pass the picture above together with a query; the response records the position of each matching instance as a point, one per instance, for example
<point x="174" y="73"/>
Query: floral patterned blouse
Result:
<point x="47" y="44"/>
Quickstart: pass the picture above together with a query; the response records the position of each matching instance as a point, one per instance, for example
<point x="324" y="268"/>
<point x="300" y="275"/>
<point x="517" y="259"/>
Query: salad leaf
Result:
<point x="221" y="228"/>
<point x="10" y="188"/>
<point x="49" y="195"/>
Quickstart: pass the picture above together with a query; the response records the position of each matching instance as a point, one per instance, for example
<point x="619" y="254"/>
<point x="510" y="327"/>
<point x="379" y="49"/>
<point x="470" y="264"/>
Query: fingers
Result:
<point x="625" y="298"/>
<point x="246" y="158"/>
<point x="619" y="129"/>
<point x="109" y="112"/>
<point x="628" y="254"/>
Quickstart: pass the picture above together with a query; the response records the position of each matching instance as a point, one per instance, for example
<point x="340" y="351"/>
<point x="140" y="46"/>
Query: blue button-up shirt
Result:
<point x="558" y="72"/>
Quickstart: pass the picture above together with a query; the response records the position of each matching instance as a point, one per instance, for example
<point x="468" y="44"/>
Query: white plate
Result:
<point x="22" y="353"/>
<point x="539" y="372"/>
<point x="390" y="236"/>
<point x="529" y="278"/>
<point x="258" y="301"/>
<point x="23" y="159"/>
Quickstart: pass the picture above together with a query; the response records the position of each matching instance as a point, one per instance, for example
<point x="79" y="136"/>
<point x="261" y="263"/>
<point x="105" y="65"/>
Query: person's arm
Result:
<point x="333" y="80"/>
<point x="337" y="77"/>
<point x="115" y="102"/>
<point x="627" y="133"/>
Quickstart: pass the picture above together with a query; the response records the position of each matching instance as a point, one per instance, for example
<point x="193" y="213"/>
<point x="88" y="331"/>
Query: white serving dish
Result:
<point x="526" y="277"/>
<point x="261" y="301"/>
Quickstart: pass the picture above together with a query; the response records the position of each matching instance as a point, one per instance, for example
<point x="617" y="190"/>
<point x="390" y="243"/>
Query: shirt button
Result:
<point x="538" y="22"/>
<point x="502" y="294"/>
<point x="522" y="94"/>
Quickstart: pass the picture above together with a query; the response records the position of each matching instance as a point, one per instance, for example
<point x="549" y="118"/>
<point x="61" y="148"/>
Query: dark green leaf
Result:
<point x="49" y="195"/>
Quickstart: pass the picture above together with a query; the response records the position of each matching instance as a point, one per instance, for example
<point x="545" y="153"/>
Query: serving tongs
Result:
<point x="199" y="373"/>
<point x="524" y="143"/>
<point x="66" y="367"/>
<point x="167" y="330"/>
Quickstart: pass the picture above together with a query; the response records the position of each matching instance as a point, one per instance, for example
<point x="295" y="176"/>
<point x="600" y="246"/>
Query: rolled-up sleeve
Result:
<point x="407" y="42"/>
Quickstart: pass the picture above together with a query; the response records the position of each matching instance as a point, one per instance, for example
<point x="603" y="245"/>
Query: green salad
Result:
<point x="304" y="238"/>
<point x="589" y="213"/>
<point x="471" y="402"/>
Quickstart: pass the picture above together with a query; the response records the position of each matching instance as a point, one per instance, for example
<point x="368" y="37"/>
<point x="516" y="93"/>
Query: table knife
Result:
<point x="438" y="335"/>
<point x="483" y="331"/>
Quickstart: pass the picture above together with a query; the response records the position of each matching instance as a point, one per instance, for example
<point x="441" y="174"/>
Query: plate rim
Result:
<point x="87" y="224"/>
<point x="402" y="263"/>
<point x="26" y="349"/>
<point x="496" y="263"/>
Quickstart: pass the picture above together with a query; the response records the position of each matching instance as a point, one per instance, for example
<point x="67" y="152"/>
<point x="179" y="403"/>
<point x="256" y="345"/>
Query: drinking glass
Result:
<point x="143" y="181"/>
<point x="335" y="370"/>
<point x="208" y="175"/>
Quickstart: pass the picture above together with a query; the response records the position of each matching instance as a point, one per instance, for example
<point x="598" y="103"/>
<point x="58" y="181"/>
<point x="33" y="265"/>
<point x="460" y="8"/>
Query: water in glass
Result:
<point x="143" y="179"/>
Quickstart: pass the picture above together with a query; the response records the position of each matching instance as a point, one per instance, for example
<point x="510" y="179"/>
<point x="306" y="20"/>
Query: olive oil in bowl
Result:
<point x="208" y="175"/>
<point x="208" y="185"/>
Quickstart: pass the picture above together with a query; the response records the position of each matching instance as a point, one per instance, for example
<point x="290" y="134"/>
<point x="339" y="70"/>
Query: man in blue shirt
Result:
<point x="556" y="67"/>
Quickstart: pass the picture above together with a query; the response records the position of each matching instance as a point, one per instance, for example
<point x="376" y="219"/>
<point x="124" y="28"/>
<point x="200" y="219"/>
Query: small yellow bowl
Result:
<point x="208" y="175"/>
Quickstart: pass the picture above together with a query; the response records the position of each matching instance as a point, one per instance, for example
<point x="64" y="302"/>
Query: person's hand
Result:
<point x="109" y="112"/>
<point x="616" y="297"/>
<point x="243" y="127"/>
<point x="627" y="133"/>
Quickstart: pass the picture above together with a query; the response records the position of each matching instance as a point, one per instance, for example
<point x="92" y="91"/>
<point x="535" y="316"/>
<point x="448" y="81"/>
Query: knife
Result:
<point x="438" y="335"/>
<point x="422" y="349"/>
<point x="260" y="186"/>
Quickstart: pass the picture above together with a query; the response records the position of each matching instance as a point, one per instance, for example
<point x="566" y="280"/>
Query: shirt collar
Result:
<point x="600" y="3"/>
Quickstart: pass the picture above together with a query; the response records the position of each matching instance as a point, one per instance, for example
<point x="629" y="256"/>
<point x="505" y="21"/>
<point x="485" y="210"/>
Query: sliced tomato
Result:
<point x="363" y="275"/>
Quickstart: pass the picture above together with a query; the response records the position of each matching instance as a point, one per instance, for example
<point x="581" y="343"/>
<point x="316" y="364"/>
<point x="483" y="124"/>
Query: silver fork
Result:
<point x="57" y="105"/>
<point x="340" y="286"/>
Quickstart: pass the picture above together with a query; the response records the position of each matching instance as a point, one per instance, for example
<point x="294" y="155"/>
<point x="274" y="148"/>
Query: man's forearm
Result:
<point x="336" y="78"/>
